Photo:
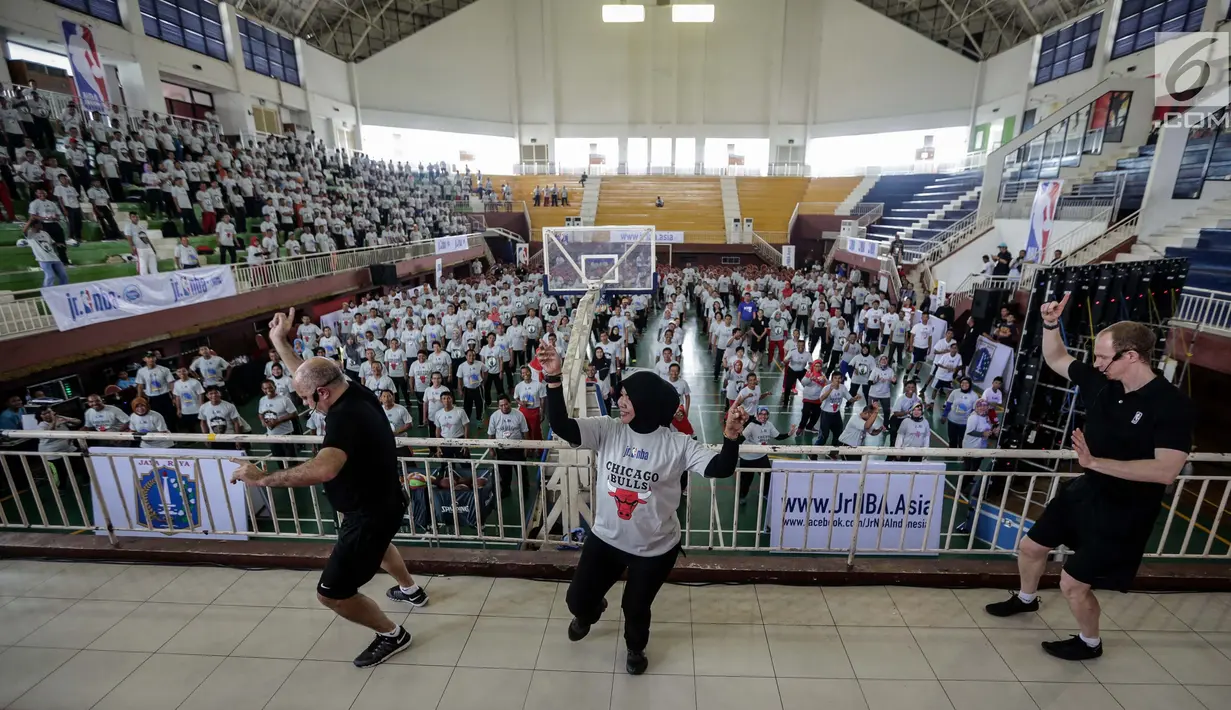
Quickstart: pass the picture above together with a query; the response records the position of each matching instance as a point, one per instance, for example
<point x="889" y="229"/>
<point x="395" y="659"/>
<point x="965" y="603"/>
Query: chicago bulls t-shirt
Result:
<point x="638" y="486"/>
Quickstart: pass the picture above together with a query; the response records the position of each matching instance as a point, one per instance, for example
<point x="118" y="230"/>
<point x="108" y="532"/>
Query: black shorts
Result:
<point x="1108" y="537"/>
<point x="362" y="540"/>
<point x="920" y="354"/>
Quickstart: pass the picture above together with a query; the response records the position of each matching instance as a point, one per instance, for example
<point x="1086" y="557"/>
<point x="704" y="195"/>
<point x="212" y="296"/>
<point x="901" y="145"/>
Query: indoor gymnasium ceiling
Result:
<point x="350" y="29"/>
<point x="356" y="29"/>
<point x="980" y="28"/>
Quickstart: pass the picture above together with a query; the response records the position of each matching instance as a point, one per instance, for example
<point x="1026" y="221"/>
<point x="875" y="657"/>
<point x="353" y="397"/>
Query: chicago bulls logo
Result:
<point x="626" y="500"/>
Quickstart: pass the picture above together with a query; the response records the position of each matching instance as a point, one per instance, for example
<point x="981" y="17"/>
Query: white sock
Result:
<point x="412" y="589"/>
<point x="392" y="634"/>
<point x="1026" y="597"/>
<point x="1091" y="642"/>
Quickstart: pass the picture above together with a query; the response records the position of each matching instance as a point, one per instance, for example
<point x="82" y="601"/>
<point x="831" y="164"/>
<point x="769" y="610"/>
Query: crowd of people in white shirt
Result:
<point x="306" y="198"/>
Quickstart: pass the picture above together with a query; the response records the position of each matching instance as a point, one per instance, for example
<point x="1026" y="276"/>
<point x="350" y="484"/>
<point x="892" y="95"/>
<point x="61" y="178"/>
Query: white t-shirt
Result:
<point x="530" y="394"/>
<point x="190" y="394"/>
<point x="452" y="422"/>
<point x="507" y="426"/>
<point x="273" y="407"/>
<point x="106" y="420"/>
<point x="147" y="423"/>
<point x="210" y="369"/>
<point x="219" y="417"/>
<point x="944" y="362"/>
<point x="757" y="434"/>
<point x="397" y="415"/>
<point x="639" y="487"/>
<point x="431" y="396"/>
<point x="156" y="380"/>
<point x="922" y="335"/>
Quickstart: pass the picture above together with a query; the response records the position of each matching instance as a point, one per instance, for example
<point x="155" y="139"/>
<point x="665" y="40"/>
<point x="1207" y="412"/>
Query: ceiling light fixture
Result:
<point x="692" y="13"/>
<point x="623" y="13"/>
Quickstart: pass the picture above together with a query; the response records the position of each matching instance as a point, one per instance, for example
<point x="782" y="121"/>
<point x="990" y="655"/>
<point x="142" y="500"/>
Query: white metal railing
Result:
<point x="964" y="290"/>
<point x="1115" y="235"/>
<point x="132" y="118"/>
<point x="954" y="237"/>
<point x="789" y="170"/>
<point x="768" y="253"/>
<point x="866" y="213"/>
<point x="1016" y="199"/>
<point x="103" y="492"/>
<point x="1210" y="310"/>
<point x="27" y="313"/>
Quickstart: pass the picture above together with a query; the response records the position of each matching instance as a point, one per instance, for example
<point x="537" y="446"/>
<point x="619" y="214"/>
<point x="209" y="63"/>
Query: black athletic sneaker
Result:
<point x="1012" y="605"/>
<point x="577" y="629"/>
<point x="382" y="649"/>
<point x="419" y="598"/>
<point x="636" y="663"/>
<point x="1073" y="649"/>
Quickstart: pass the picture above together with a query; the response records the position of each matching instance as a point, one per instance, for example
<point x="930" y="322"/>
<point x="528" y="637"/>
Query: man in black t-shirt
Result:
<point x="357" y="466"/>
<point x="1137" y="435"/>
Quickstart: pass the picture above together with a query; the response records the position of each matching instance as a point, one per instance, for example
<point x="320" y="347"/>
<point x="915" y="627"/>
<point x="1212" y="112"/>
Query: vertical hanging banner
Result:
<point x="88" y="74"/>
<point x="523" y="254"/>
<point x="1042" y="218"/>
<point x="440" y="272"/>
<point x="788" y="256"/>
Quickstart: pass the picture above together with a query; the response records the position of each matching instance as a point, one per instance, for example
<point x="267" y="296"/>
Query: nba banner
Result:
<point x="440" y="272"/>
<point x="88" y="74"/>
<point x="1042" y="218"/>
<point x="788" y="256"/>
<point x="158" y="492"/>
<point x="816" y="505"/>
<point x="77" y="305"/>
<point x="523" y="254"/>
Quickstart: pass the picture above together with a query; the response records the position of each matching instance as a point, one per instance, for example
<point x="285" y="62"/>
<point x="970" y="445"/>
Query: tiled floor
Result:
<point x="79" y="636"/>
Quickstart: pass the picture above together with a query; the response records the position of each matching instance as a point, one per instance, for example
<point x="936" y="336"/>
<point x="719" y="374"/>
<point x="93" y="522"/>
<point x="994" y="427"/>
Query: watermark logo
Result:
<point x="1191" y="77"/>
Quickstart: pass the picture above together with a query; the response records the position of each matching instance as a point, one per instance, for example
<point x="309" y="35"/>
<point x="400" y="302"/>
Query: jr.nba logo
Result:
<point x="164" y="506"/>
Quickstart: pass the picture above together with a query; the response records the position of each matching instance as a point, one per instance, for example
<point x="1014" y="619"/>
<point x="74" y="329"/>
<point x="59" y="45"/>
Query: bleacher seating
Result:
<point x="523" y="189"/>
<point x="910" y="198"/>
<point x="691" y="204"/>
<point x="770" y="201"/>
<point x="1136" y="172"/>
<point x="1209" y="261"/>
<point x="826" y="191"/>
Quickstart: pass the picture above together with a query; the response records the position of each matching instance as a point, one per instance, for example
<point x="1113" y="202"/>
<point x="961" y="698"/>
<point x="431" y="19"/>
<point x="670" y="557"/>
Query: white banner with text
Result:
<point x="82" y="304"/>
<point x="816" y="505"/>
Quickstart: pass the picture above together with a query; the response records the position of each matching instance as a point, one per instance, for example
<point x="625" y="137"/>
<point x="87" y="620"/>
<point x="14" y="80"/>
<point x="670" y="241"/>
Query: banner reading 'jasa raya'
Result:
<point x="78" y="305"/>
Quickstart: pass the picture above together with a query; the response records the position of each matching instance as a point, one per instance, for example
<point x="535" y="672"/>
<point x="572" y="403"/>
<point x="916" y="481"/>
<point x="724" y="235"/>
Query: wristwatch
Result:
<point x="1051" y="326"/>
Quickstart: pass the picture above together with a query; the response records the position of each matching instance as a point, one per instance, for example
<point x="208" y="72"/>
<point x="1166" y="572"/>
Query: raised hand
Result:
<point x="736" y="419"/>
<point x="280" y="325"/>
<point x="1052" y="310"/>
<point x="549" y="358"/>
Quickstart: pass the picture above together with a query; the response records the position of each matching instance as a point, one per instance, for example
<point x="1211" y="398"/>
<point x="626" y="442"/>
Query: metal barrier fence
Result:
<point x="897" y="508"/>
<point x="26" y="313"/>
<point x="1208" y="310"/>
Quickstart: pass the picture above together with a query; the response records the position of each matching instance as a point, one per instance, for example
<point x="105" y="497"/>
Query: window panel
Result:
<point x="1068" y="50"/>
<point x="1140" y="20"/>
<point x="108" y="10"/>
<point x="190" y="22"/>
<point x="260" y="65"/>
<point x="213" y="30"/>
<point x="215" y="49"/>
<point x="194" y="41"/>
<point x="170" y="32"/>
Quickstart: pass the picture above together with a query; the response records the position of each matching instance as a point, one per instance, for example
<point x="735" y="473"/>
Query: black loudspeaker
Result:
<point x="986" y="303"/>
<point x="384" y="274"/>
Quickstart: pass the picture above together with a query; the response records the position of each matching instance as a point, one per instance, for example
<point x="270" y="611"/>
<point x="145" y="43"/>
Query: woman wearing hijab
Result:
<point x="914" y="432"/>
<point x="641" y="464"/>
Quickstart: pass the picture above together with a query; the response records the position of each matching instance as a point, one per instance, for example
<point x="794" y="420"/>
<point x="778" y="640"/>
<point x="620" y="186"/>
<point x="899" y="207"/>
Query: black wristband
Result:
<point x="1053" y="326"/>
<point x="553" y="379"/>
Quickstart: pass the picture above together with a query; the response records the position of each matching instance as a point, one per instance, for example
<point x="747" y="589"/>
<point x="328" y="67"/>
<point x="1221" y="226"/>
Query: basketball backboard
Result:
<point x="614" y="259"/>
